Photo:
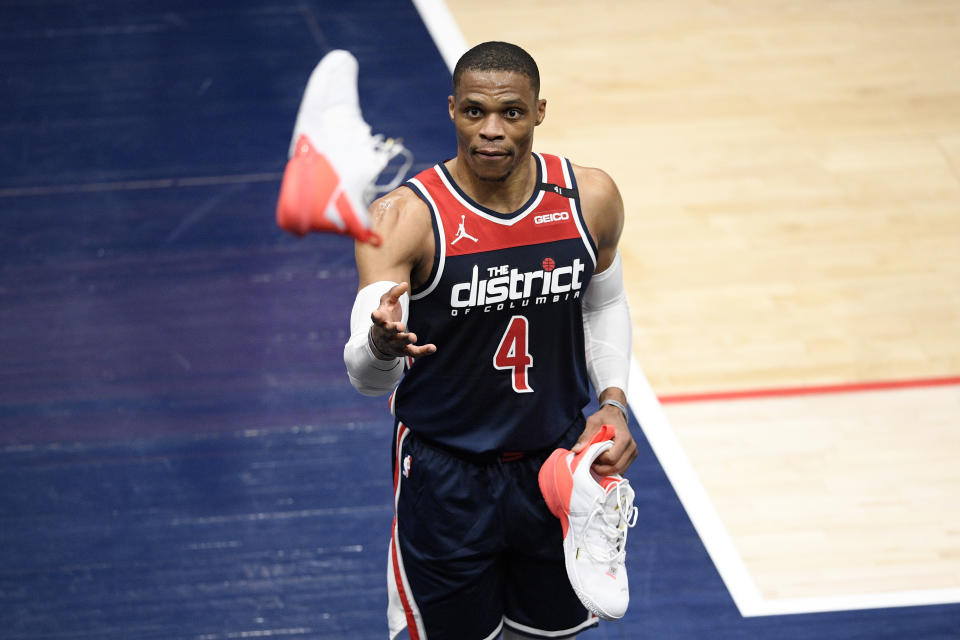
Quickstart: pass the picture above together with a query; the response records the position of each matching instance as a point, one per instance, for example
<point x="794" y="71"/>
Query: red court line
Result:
<point x="851" y="387"/>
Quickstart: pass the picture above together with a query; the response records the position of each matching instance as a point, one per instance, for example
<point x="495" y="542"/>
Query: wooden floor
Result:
<point x="822" y="498"/>
<point x="792" y="178"/>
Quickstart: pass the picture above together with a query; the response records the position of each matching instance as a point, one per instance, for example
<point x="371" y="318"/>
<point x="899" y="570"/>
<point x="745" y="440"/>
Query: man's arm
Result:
<point x="378" y="320"/>
<point x="403" y="221"/>
<point x="606" y="320"/>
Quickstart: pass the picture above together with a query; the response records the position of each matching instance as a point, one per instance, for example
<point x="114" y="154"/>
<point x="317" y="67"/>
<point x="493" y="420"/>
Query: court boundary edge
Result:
<point x="809" y="390"/>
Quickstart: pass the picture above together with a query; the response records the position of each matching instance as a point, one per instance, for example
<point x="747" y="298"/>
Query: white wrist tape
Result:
<point x="368" y="374"/>
<point x="607" y="330"/>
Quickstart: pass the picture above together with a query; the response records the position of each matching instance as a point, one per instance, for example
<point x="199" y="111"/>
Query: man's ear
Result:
<point x="541" y="110"/>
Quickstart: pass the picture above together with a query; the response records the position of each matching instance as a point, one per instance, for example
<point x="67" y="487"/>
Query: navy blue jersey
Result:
<point x="503" y="306"/>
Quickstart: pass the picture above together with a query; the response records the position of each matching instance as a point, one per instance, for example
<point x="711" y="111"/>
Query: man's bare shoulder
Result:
<point x="401" y="207"/>
<point x="602" y="205"/>
<point x="595" y="183"/>
<point x="403" y="222"/>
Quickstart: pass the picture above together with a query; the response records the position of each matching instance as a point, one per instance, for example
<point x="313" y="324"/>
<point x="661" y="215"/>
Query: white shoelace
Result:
<point x="616" y="518"/>
<point x="386" y="150"/>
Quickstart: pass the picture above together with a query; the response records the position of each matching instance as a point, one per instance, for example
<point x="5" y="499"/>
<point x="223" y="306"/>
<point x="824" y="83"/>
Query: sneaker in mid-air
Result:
<point x="595" y="514"/>
<point x="334" y="161"/>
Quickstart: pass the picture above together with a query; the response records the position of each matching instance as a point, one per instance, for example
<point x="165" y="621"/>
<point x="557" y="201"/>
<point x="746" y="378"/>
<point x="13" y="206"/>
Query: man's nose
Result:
<point x="492" y="128"/>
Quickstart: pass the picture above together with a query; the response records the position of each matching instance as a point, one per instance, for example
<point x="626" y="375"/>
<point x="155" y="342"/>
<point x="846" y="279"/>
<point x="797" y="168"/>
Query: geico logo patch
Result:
<point x="548" y="218"/>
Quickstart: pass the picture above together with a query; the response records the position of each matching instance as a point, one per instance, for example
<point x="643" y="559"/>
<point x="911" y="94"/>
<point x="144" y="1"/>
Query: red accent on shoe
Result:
<point x="354" y="227"/>
<point x="607" y="482"/>
<point x="556" y="479"/>
<point x="310" y="183"/>
<point x="556" y="485"/>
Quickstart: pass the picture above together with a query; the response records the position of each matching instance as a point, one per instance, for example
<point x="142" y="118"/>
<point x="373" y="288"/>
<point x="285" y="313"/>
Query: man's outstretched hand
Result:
<point x="388" y="336"/>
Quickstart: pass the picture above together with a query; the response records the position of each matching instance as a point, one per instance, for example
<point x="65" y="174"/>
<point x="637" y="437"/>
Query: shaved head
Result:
<point x="498" y="56"/>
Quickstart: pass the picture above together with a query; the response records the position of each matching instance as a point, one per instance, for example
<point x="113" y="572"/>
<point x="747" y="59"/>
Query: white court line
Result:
<point x="443" y="29"/>
<point x="917" y="598"/>
<point x="646" y="407"/>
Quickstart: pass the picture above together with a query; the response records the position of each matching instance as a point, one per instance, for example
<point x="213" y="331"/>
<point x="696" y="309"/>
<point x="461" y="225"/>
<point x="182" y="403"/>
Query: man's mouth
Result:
<point x="492" y="154"/>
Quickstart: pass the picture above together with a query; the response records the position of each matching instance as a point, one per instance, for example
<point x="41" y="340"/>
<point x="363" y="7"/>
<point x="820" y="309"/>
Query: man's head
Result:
<point x="494" y="107"/>
<point x="498" y="56"/>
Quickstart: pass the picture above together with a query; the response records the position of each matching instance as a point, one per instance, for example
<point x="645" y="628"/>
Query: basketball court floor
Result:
<point x="182" y="456"/>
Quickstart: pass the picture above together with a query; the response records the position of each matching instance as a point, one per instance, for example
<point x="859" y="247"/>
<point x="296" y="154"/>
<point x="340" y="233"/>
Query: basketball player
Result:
<point x="503" y="263"/>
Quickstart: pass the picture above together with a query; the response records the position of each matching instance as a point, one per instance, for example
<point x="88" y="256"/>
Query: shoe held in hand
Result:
<point x="595" y="514"/>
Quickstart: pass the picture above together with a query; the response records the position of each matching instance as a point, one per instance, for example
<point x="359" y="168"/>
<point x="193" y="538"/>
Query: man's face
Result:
<point x="494" y="113"/>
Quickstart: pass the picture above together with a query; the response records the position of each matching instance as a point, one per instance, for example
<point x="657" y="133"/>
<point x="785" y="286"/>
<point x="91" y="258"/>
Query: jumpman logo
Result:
<point x="462" y="232"/>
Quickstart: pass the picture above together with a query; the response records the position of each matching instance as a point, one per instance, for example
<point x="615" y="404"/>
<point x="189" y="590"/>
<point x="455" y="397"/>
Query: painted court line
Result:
<point x="443" y="29"/>
<point x="646" y="407"/>
<point x="922" y="597"/>
<point x="852" y="387"/>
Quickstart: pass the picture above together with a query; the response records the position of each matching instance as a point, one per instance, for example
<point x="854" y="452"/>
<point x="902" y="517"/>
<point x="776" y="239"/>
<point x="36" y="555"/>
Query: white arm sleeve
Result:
<point x="368" y="374"/>
<point x="607" y="330"/>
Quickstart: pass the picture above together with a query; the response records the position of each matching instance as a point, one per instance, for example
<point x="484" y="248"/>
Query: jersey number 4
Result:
<point x="513" y="355"/>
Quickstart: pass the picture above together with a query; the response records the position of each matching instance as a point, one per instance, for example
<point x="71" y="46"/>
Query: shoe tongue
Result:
<point x="608" y="483"/>
<point x="606" y="536"/>
<point x="611" y="500"/>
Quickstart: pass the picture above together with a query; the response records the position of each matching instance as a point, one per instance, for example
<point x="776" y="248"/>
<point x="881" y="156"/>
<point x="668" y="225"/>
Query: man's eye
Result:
<point x="473" y="112"/>
<point x="513" y="113"/>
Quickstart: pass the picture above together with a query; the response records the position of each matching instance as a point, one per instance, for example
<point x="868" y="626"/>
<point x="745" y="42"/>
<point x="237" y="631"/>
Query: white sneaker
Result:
<point x="330" y="178"/>
<point x="595" y="513"/>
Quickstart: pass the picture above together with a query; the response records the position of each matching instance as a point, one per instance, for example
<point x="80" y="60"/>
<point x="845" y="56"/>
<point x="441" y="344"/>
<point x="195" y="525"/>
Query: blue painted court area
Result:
<point x="181" y="455"/>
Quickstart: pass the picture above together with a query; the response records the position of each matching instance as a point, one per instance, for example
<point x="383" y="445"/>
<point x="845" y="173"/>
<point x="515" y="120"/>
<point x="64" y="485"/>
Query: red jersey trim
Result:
<point x="508" y="219"/>
<point x="555" y="217"/>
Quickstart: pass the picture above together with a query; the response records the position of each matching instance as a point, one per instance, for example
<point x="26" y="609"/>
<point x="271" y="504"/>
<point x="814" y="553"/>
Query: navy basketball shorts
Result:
<point x="474" y="547"/>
